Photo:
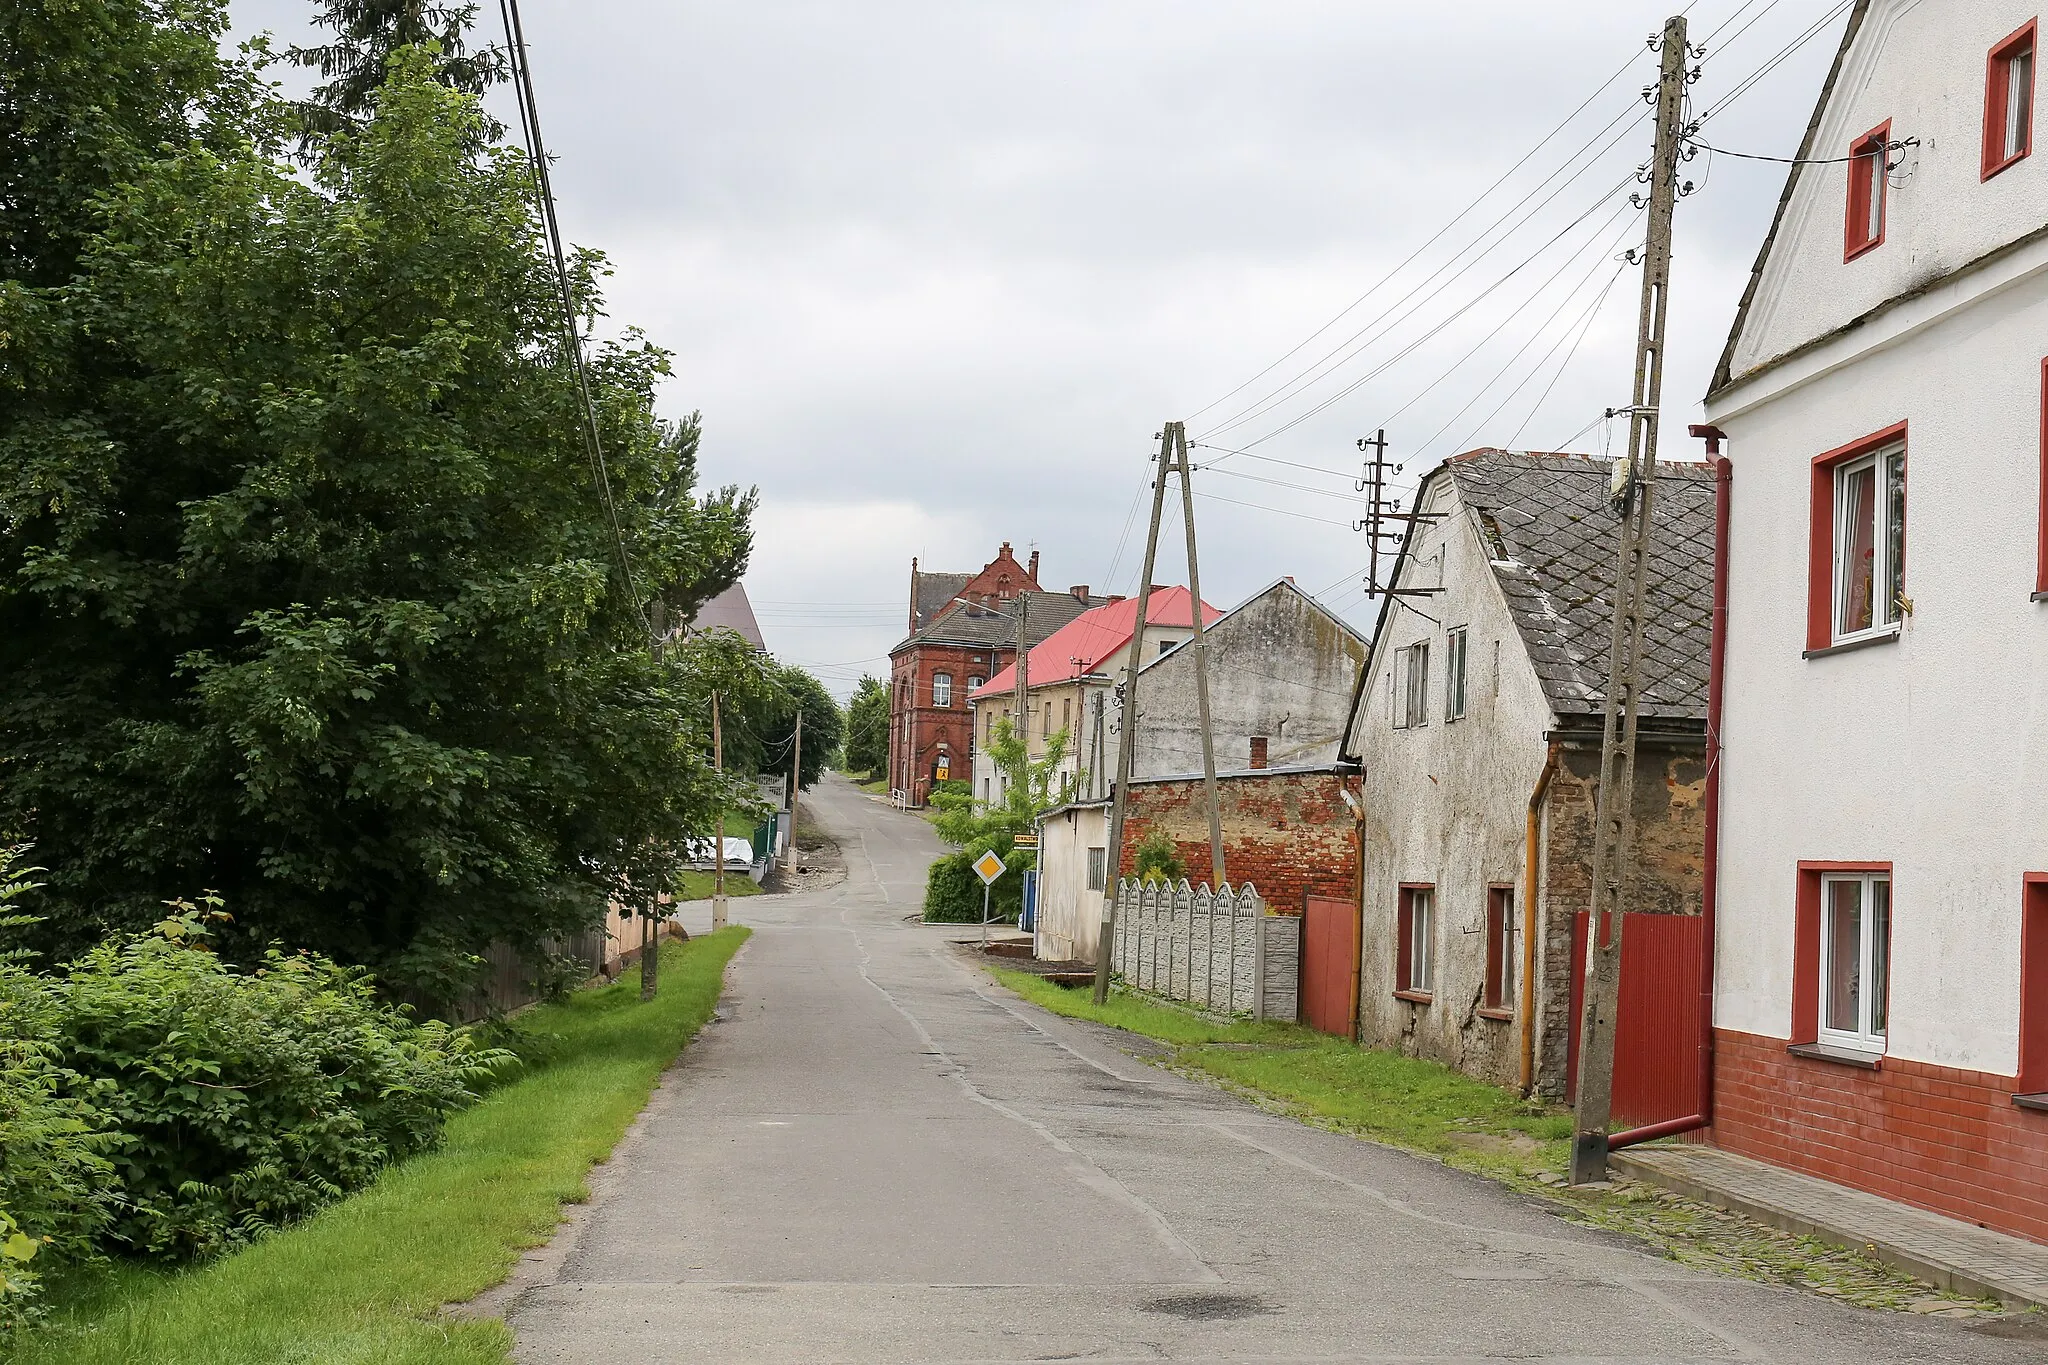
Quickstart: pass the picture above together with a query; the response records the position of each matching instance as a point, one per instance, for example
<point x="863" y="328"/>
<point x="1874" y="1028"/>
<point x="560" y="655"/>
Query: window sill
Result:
<point x="1498" y="1016"/>
<point x="2039" y="1101"/>
<point x="1839" y="1056"/>
<point x="2041" y="596"/>
<point x="1416" y="997"/>
<point x="1890" y="637"/>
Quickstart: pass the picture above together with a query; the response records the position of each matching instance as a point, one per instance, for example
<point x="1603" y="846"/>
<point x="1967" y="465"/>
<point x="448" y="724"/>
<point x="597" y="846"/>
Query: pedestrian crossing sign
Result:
<point x="988" y="867"/>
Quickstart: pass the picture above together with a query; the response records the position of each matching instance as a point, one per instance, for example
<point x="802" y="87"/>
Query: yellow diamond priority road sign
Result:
<point x="988" y="867"/>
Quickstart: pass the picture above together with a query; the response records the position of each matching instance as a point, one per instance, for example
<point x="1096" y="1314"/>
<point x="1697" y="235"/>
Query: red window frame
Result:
<point x="1872" y="144"/>
<point x="1820" y="566"/>
<point x="1404" y="955"/>
<point x="2033" y="1075"/>
<point x="1806" y="944"/>
<point x="1997" y="67"/>
<point x="1500" y="926"/>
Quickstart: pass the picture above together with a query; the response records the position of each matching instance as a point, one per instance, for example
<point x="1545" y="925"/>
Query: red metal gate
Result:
<point x="1657" y="1038"/>
<point x="1329" y="957"/>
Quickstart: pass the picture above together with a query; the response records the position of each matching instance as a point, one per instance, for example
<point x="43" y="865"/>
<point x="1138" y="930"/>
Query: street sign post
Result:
<point x="988" y="867"/>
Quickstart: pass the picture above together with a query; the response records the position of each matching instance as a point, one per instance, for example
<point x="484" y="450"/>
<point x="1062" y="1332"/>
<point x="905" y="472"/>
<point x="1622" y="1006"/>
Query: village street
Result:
<point x="877" y="1155"/>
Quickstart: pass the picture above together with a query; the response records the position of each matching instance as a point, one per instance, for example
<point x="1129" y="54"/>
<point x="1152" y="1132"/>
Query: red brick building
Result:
<point x="962" y="631"/>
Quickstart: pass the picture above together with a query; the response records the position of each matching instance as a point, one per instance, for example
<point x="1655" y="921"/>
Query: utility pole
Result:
<point x="796" y="781"/>
<point x="1201" y="643"/>
<point x="1172" y="458"/>
<point x="718" y="856"/>
<point x="1022" y="700"/>
<point x="1127" y="731"/>
<point x="1634" y="485"/>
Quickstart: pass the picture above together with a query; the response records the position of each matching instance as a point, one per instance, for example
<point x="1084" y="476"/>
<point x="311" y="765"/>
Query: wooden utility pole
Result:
<point x="1172" y="457"/>
<point x="1634" y="486"/>
<point x="796" y="781"/>
<point x="1021" y="701"/>
<point x="718" y="856"/>
<point x="1201" y="643"/>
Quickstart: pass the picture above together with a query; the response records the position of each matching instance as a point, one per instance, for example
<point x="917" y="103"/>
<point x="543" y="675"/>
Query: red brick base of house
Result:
<point x="1936" y="1138"/>
<point x="1287" y="832"/>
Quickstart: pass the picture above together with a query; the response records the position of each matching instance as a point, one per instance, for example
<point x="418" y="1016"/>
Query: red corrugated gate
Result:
<point x="1657" y="1039"/>
<point x="1329" y="956"/>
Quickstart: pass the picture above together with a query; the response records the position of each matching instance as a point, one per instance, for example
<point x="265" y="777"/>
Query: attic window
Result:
<point x="1866" y="191"/>
<point x="2009" y="101"/>
<point x="1411" y="686"/>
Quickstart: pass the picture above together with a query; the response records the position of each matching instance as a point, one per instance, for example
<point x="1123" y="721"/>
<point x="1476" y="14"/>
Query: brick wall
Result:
<point x="1671" y="836"/>
<point x="916" y="734"/>
<point x="1289" y="834"/>
<point x="1941" y="1139"/>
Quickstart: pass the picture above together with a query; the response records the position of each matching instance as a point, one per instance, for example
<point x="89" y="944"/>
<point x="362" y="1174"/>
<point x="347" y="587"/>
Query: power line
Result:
<point x="1772" y="63"/>
<point x="1431" y="334"/>
<point x="1584" y="328"/>
<point x="1346" y="350"/>
<point x="1457" y="218"/>
<point x="1279" y="511"/>
<point x="529" y="121"/>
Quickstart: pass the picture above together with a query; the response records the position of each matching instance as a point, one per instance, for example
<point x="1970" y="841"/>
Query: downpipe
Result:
<point x="1530" y="870"/>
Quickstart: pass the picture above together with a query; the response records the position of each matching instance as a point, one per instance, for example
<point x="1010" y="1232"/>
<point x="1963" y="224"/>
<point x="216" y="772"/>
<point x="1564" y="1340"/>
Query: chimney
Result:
<point x="1080" y="592"/>
<point x="1004" y="553"/>
<point x="1258" y="751"/>
<point x="1032" y="572"/>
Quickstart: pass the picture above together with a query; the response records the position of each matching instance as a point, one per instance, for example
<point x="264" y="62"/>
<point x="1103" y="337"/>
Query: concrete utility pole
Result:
<point x="796" y="781"/>
<point x="1201" y="643"/>
<point x="718" y="855"/>
<point x="1634" y="486"/>
<point x="1173" y="455"/>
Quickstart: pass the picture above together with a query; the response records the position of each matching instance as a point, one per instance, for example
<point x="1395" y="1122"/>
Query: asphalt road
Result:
<point x="877" y="1155"/>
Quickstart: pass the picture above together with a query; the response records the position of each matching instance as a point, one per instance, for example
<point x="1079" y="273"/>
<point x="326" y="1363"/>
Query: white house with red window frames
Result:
<point x="1879" y="865"/>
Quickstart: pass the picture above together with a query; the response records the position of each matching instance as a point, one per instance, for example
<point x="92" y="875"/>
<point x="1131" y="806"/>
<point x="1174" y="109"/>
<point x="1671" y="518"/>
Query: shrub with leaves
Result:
<point x="1155" y="859"/>
<point x="54" y="1193"/>
<point x="243" y="1100"/>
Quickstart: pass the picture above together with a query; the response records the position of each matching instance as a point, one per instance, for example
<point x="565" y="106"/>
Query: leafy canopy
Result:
<point x="867" y="727"/>
<point x="305" y="593"/>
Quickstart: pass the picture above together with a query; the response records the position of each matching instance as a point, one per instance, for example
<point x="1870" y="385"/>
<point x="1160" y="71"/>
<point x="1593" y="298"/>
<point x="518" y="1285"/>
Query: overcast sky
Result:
<point x="936" y="272"/>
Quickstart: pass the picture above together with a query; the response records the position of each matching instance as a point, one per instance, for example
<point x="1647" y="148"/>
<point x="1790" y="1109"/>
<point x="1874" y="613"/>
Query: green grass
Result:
<point x="363" y="1281"/>
<point x="1421" y="1105"/>
<point x="697" y="886"/>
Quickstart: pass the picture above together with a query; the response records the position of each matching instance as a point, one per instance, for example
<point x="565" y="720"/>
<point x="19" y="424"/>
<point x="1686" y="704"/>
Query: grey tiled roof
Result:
<point x="935" y="591"/>
<point x="1549" y="514"/>
<point x="965" y="625"/>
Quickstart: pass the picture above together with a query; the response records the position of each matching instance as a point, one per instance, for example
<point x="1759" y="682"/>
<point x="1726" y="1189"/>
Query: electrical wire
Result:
<point x="1772" y="63"/>
<point x="1457" y="218"/>
<point x="1354" y="385"/>
<point x="1278" y="511"/>
<point x="1584" y="328"/>
<point x="1535" y="370"/>
<point x="1351" y="346"/>
<point x="529" y="121"/>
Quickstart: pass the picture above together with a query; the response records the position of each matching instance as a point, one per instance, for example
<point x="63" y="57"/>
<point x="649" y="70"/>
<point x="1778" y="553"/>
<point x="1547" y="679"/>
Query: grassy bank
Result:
<point x="697" y="886"/>
<point x="364" y="1280"/>
<point x="1432" y="1109"/>
<point x="1420" y="1105"/>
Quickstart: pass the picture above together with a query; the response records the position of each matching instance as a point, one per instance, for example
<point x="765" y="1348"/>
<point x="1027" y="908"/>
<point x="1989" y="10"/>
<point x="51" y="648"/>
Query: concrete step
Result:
<point x="1943" y="1251"/>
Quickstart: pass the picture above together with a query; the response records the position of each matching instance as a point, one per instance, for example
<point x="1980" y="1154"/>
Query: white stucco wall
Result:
<point x="1920" y="64"/>
<point x="1932" y="752"/>
<point x="1447" y="803"/>
<point x="1069" y="914"/>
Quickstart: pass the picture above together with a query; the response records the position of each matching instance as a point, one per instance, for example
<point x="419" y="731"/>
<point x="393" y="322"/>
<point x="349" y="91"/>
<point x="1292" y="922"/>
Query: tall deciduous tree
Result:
<point x="305" y="592"/>
<point x="867" y="727"/>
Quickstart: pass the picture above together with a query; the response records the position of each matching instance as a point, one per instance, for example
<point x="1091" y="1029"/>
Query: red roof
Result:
<point x="1079" y="647"/>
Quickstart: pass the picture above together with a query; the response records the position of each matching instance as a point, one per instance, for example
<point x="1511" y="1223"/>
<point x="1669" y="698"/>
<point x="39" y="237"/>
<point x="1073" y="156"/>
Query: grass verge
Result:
<point x="697" y="886"/>
<point x="364" y="1280"/>
<point x="1429" y="1108"/>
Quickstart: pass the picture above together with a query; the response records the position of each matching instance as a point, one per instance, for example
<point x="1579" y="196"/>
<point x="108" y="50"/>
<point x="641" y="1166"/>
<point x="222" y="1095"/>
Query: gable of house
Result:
<point x="1282" y="669"/>
<point x="1915" y="78"/>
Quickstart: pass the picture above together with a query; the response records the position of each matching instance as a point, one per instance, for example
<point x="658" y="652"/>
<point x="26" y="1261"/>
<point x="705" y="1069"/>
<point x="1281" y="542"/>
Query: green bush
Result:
<point x="1155" y="859"/>
<point x="238" y="1100"/>
<point x="952" y="891"/>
